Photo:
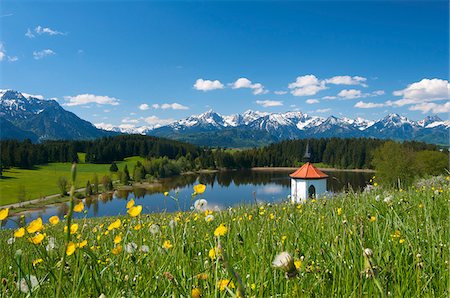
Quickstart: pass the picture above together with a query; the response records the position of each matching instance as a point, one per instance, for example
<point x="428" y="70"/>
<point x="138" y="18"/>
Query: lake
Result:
<point x="224" y="189"/>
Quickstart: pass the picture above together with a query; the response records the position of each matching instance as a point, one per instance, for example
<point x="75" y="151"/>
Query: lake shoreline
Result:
<point x="285" y="169"/>
<point x="55" y="199"/>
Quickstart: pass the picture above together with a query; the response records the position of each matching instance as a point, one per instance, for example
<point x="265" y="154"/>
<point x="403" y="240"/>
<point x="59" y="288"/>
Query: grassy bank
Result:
<point x="161" y="255"/>
<point x="42" y="181"/>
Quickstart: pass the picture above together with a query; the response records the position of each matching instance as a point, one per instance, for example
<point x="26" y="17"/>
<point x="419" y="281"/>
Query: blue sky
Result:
<point x="146" y="63"/>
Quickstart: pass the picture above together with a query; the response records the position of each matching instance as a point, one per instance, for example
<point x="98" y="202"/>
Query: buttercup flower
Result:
<point x="167" y="244"/>
<point x="117" y="239"/>
<point x="4" y="213"/>
<point x="117" y="250"/>
<point x="130" y="204"/>
<point x="78" y="207"/>
<point x="114" y="225"/>
<point x="54" y="220"/>
<point x="166" y="193"/>
<point x="71" y="247"/>
<point x="196" y="293"/>
<point x="35" y="226"/>
<point x="199" y="188"/>
<point x="82" y="244"/>
<point x="220" y="230"/>
<point x="19" y="233"/>
<point x="37" y="239"/>
<point x="135" y="211"/>
<point x="225" y="283"/>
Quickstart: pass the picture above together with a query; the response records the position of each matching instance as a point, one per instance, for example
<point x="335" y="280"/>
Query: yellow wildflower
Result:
<point x="35" y="262"/>
<point x="54" y="220"/>
<point x="401" y="241"/>
<point x="130" y="204"/>
<point x="202" y="276"/>
<point x="19" y="233"/>
<point x="82" y="244"/>
<point x="35" y="226"/>
<point x="212" y="253"/>
<point x="373" y="218"/>
<point x="221" y="230"/>
<point x="166" y="193"/>
<point x="4" y="213"/>
<point x="71" y="247"/>
<point x="138" y="227"/>
<point x="135" y="211"/>
<point x="73" y="228"/>
<point x="117" y="239"/>
<point x="298" y="264"/>
<point x="196" y="293"/>
<point x="339" y="211"/>
<point x="375" y="184"/>
<point x="78" y="207"/>
<point x="224" y="283"/>
<point x="167" y="244"/>
<point x="117" y="250"/>
<point x="114" y="225"/>
<point x="37" y="239"/>
<point x="199" y="188"/>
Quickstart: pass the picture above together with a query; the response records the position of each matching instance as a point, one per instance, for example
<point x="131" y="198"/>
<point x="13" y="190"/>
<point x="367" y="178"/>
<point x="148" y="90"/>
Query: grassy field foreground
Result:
<point x="381" y="243"/>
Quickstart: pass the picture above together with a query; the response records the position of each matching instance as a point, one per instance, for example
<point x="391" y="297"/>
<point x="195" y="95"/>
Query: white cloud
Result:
<point x="155" y="121"/>
<point x="45" y="30"/>
<point x="269" y="103"/>
<point x="144" y="107"/>
<point x="425" y="90"/>
<point x="2" y="52"/>
<point x="129" y="120"/>
<point x="329" y="97"/>
<point x="306" y="85"/>
<point x="323" y="110"/>
<point x="431" y="106"/>
<point x="38" y="96"/>
<point x="257" y="88"/>
<point x="42" y="54"/>
<point x="350" y="93"/>
<point x="368" y="105"/>
<point x="83" y="99"/>
<point x="347" y="80"/>
<point x="173" y="106"/>
<point x="13" y="58"/>
<point x="312" y="101"/>
<point x="29" y="33"/>
<point x="353" y="93"/>
<point x="281" y="92"/>
<point x="207" y="85"/>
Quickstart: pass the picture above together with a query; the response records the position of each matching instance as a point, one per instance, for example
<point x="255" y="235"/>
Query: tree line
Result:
<point x="168" y="157"/>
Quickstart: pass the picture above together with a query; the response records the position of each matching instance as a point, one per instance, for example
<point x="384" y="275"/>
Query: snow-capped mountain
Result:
<point x="24" y="116"/>
<point x="290" y="125"/>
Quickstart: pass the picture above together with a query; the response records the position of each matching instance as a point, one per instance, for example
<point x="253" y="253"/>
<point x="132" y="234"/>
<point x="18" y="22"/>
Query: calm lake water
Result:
<point x="224" y="189"/>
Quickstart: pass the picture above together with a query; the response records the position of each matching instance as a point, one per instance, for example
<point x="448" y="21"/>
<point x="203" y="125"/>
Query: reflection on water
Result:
<point x="224" y="189"/>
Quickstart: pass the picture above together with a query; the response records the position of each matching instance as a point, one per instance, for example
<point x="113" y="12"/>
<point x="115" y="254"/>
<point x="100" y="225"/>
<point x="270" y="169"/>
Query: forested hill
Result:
<point x="335" y="152"/>
<point x="104" y="150"/>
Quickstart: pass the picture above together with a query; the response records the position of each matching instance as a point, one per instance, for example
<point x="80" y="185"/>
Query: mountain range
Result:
<point x="27" y="117"/>
<point x="254" y="128"/>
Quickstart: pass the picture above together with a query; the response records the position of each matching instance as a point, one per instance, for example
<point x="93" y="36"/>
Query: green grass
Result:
<point x="42" y="181"/>
<point x="408" y="236"/>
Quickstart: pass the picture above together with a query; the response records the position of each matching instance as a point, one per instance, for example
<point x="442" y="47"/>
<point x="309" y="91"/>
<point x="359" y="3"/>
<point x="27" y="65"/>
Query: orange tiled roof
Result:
<point x="308" y="171"/>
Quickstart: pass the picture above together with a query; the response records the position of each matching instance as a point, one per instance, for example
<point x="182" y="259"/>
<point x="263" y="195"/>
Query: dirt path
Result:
<point x="43" y="199"/>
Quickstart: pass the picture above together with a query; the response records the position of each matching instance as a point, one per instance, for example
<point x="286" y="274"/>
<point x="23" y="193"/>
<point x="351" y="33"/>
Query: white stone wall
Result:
<point x="299" y="188"/>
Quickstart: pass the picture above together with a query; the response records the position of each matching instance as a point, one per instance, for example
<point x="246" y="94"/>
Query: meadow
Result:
<point x="377" y="243"/>
<point x="42" y="180"/>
